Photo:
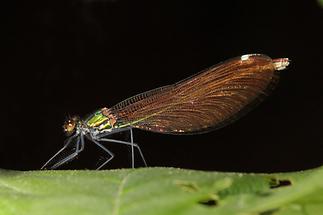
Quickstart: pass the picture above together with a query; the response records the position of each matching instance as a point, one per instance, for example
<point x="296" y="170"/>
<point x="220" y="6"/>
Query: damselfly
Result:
<point x="206" y="101"/>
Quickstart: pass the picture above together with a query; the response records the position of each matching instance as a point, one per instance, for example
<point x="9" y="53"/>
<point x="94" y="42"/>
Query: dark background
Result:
<point x="73" y="57"/>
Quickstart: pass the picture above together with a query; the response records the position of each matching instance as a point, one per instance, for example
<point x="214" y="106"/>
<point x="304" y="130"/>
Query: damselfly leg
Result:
<point x="79" y="146"/>
<point x="107" y="151"/>
<point x="131" y="143"/>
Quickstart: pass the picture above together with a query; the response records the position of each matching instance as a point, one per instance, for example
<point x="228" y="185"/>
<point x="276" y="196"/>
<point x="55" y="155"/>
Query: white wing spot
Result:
<point x="245" y="57"/>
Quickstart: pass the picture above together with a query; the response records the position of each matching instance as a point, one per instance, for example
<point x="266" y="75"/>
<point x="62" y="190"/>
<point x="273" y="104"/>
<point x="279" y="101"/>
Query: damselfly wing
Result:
<point x="208" y="100"/>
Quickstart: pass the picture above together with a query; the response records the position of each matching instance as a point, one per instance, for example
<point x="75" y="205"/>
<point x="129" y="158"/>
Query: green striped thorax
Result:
<point x="102" y="120"/>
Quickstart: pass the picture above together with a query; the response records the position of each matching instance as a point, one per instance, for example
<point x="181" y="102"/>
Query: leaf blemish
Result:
<point x="210" y="202"/>
<point x="187" y="186"/>
<point x="277" y="183"/>
<point x="269" y="212"/>
<point x="263" y="194"/>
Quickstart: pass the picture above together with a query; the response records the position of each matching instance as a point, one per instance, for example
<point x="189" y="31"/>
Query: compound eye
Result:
<point x="69" y="126"/>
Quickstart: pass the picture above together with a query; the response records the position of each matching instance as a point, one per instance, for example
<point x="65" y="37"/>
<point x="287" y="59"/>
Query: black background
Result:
<point x="73" y="57"/>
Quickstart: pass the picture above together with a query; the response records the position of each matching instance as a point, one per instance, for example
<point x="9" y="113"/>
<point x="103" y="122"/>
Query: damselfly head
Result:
<point x="70" y="125"/>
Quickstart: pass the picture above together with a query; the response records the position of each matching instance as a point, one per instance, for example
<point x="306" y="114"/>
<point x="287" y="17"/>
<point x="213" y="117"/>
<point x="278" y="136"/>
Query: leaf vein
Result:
<point x="117" y="201"/>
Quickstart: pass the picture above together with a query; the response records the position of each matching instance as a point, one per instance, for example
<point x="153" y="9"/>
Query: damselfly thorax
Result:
<point x="203" y="102"/>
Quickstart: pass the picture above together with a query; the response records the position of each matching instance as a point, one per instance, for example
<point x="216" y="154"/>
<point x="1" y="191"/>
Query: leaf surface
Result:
<point x="159" y="191"/>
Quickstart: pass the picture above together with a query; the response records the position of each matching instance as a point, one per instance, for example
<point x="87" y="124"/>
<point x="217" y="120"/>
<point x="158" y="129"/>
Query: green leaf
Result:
<point x="160" y="191"/>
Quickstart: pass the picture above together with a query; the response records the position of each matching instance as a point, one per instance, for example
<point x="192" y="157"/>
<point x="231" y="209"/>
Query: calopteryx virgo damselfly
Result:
<point x="203" y="102"/>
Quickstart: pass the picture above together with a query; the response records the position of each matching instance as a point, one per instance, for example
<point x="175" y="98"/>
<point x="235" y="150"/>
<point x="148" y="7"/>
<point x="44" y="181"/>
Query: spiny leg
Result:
<point x="132" y="152"/>
<point x="126" y="143"/>
<point x="106" y="150"/>
<point x="68" y="142"/>
<point x="132" y="144"/>
<point x="82" y="143"/>
<point x="78" y="149"/>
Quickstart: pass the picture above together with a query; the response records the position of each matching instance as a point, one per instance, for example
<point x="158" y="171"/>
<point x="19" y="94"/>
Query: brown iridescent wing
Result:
<point x="208" y="100"/>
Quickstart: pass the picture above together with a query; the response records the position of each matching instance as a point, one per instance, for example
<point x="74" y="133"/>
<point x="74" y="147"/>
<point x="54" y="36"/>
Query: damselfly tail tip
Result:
<point x="281" y="63"/>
